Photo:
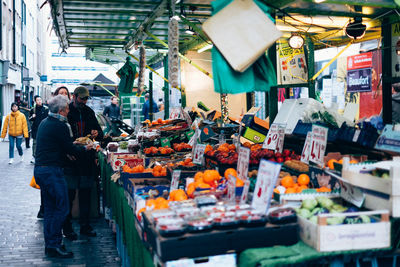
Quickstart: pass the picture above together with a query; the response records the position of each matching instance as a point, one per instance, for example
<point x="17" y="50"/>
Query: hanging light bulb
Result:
<point x="355" y="29"/>
<point x="296" y="41"/>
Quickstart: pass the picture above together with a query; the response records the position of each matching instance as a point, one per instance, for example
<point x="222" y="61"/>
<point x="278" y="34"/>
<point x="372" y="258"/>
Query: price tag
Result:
<point x="318" y="144"/>
<point x="305" y="154"/>
<point x="198" y="155"/>
<point x="243" y="163"/>
<point x="189" y="134"/>
<point x="176" y="174"/>
<point x="232" y="188"/>
<point x="268" y="173"/>
<point x="271" y="140"/>
<point x="281" y="138"/>
<point x="356" y="135"/>
<point x="245" y="192"/>
<point x="165" y="142"/>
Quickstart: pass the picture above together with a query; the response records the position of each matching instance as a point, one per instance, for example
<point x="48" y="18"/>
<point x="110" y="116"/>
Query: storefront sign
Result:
<point x="360" y="61"/>
<point x="318" y="144"/>
<point x="268" y="173"/>
<point x="243" y="163"/>
<point x="359" y="80"/>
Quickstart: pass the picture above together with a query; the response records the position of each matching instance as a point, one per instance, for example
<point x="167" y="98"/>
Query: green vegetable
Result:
<point x="123" y="145"/>
<point x="309" y="204"/>
<point x="313" y="219"/>
<point x="335" y="220"/>
<point x="365" y="219"/>
<point x="305" y="213"/>
<point x="337" y="208"/>
<point x="325" y="202"/>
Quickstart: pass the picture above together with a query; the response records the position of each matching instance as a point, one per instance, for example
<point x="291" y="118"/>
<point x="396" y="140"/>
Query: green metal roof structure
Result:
<point x="108" y="28"/>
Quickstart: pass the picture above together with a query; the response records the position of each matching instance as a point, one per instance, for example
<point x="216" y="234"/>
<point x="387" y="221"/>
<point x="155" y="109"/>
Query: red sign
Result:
<point x="360" y="61"/>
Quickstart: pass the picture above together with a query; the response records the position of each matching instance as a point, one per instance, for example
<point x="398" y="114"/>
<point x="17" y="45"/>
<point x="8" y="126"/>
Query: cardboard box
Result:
<point x="343" y="237"/>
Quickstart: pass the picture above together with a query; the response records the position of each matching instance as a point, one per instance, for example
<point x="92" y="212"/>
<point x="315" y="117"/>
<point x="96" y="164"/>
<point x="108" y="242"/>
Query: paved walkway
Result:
<point x="21" y="233"/>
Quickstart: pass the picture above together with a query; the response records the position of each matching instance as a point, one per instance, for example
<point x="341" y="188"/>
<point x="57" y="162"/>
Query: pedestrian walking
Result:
<point x="54" y="142"/>
<point x="81" y="174"/>
<point x="26" y="111"/>
<point x="62" y="90"/>
<point x="38" y="113"/>
<point x="16" y="126"/>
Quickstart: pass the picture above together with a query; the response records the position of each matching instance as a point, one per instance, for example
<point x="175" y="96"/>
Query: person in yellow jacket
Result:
<point x="17" y="127"/>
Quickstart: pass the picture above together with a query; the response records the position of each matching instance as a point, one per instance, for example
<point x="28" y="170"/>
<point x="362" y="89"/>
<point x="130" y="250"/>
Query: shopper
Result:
<point x="113" y="111"/>
<point x="38" y="113"/>
<point x="26" y="111"/>
<point x="396" y="103"/>
<point x="54" y="142"/>
<point x="146" y="107"/>
<point x="62" y="90"/>
<point x="81" y="174"/>
<point x="16" y="126"/>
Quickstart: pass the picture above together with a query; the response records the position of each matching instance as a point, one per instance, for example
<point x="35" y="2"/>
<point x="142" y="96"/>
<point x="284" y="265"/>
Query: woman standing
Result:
<point x="17" y="127"/>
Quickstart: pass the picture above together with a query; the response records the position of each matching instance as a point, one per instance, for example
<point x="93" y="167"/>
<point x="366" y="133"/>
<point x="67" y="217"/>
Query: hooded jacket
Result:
<point x="16" y="125"/>
<point x="396" y="108"/>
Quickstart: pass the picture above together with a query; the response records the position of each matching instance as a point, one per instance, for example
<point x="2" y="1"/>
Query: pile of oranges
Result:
<point x="293" y="186"/>
<point x="233" y="172"/>
<point x="226" y="147"/>
<point x="203" y="180"/>
<point x="159" y="170"/>
<point x="177" y="195"/>
<point x="157" y="122"/>
<point x="182" y="147"/>
<point x="331" y="163"/>
<point x="162" y="150"/>
<point x="187" y="163"/>
<point x="136" y="169"/>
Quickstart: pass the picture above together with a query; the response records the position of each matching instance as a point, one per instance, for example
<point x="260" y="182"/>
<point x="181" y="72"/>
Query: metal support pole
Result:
<point x="386" y="71"/>
<point x="151" y="96"/>
<point x="311" y="67"/>
<point x="271" y="98"/>
<point x="166" y="89"/>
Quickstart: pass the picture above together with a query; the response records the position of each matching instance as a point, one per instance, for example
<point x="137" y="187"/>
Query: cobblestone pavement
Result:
<point x="21" y="233"/>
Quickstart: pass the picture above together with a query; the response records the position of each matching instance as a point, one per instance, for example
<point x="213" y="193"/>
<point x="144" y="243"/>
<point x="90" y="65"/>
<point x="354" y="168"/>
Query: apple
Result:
<point x="286" y="152"/>
<point x="279" y="159"/>
<point x="288" y="158"/>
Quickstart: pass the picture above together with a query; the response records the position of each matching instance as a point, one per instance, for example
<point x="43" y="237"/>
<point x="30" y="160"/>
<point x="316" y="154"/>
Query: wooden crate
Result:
<point x="342" y="237"/>
<point x="380" y="193"/>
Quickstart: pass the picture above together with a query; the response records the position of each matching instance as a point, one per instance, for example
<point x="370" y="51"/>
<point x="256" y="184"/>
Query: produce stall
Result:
<point x="182" y="201"/>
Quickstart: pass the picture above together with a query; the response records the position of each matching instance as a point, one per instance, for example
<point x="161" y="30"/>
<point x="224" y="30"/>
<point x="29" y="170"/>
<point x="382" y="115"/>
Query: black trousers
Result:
<point x="84" y="208"/>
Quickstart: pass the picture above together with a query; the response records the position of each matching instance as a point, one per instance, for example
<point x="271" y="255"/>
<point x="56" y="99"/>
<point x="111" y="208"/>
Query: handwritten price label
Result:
<point x="305" y="154"/>
<point x="271" y="140"/>
<point x="318" y="144"/>
<point x="175" y="180"/>
<point x="281" y="138"/>
<point x="243" y="163"/>
<point x="232" y="189"/>
<point x="245" y="192"/>
<point x="268" y="173"/>
<point x="198" y="155"/>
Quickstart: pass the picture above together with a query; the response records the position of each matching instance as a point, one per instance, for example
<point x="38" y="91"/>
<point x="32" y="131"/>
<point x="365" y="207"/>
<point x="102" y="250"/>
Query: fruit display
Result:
<point x="112" y="146"/>
<point x="292" y="184"/>
<point x="161" y="151"/>
<point x="311" y="208"/>
<point x="297" y="165"/>
<point x="182" y="147"/>
<point x="183" y="164"/>
<point x="156" y="171"/>
<point x="123" y="145"/>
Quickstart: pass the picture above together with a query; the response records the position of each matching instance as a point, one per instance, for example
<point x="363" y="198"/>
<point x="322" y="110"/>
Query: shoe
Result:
<point x="40" y="214"/>
<point x="71" y="235"/>
<point x="58" y="253"/>
<point x="88" y="231"/>
<point x="21" y="158"/>
<point x="11" y="161"/>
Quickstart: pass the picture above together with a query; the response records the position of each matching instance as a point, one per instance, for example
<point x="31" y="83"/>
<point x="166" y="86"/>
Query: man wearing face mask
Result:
<point x="81" y="174"/>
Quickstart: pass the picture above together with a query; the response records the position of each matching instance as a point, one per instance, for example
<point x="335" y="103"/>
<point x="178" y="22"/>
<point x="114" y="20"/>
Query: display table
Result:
<point x="114" y="197"/>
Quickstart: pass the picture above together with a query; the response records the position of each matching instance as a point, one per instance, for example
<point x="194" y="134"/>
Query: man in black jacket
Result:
<point x="54" y="142"/>
<point x="113" y="111"/>
<point x="37" y="114"/>
<point x="81" y="174"/>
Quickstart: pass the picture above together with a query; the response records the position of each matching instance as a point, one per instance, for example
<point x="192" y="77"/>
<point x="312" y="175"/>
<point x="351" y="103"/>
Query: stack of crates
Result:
<point x="132" y="106"/>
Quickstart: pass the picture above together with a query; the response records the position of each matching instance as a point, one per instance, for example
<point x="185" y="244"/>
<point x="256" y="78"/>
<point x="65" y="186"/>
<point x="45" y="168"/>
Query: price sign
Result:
<point x="231" y="188"/>
<point x="271" y="140"/>
<point x="268" y="173"/>
<point x="318" y="144"/>
<point x="243" y="163"/>
<point x="305" y="155"/>
<point x="175" y="113"/>
<point x="189" y="134"/>
<point x="175" y="180"/>
<point x="198" y="154"/>
<point x="245" y="192"/>
<point x="352" y="194"/>
<point x="281" y="138"/>
<point x="165" y="142"/>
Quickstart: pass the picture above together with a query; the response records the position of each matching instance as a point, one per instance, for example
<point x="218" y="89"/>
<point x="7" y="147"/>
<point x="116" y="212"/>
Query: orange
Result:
<point x="276" y="190"/>
<point x="203" y="185"/>
<point x="287" y="181"/>
<point x="230" y="171"/>
<point x="303" y="179"/>
<point x="140" y="168"/>
<point x="301" y="188"/>
<point x="353" y="161"/>
<point x="331" y="163"/>
<point x="180" y="195"/>
<point x="151" y="202"/>
<point x="163" y="172"/>
<point x="290" y="190"/>
<point x="340" y="161"/>
<point x="157" y="168"/>
<point x="239" y="182"/>
<point x="210" y="176"/>
<point x="190" y="189"/>
<point x="156" y="173"/>
<point x="323" y="189"/>
<point x="159" y="120"/>
<point x="198" y="177"/>
<point x="247" y="144"/>
<point x="223" y="149"/>
<point x="232" y="147"/>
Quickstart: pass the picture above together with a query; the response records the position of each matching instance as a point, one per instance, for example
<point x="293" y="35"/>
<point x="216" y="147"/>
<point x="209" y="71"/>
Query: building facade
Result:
<point x="23" y="42"/>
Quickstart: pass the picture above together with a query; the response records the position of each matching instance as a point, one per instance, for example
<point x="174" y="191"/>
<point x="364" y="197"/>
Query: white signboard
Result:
<point x="268" y="173"/>
<point x="175" y="180"/>
<point x="271" y="140"/>
<point x="318" y="144"/>
<point x="243" y="163"/>
<point x="305" y="155"/>
<point x="198" y="154"/>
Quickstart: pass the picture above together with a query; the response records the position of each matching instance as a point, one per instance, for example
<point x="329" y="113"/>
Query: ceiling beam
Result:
<point x="59" y="23"/>
<point x="315" y="12"/>
<point x="140" y="33"/>
<point x="369" y="3"/>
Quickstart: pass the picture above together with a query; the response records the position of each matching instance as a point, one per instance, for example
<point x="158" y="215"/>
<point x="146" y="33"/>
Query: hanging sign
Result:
<point x="198" y="155"/>
<point x="359" y="80"/>
<point x="318" y="144"/>
<point x="305" y="154"/>
<point x="292" y="65"/>
<point x="268" y="173"/>
<point x="243" y="163"/>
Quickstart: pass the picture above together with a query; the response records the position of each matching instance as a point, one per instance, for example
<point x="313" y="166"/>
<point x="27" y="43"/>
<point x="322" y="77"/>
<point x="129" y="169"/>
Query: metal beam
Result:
<point x="58" y="20"/>
<point x="386" y="71"/>
<point x="140" y="33"/>
<point x="332" y="13"/>
<point x="369" y="3"/>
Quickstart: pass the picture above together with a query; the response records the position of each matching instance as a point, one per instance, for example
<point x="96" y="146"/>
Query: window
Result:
<point x="24" y="54"/>
<point x="23" y="12"/>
